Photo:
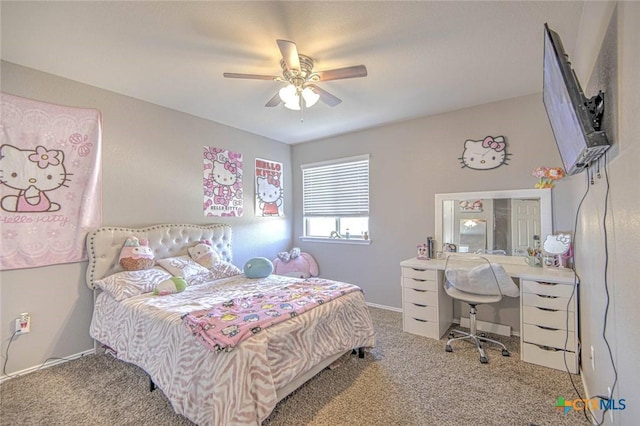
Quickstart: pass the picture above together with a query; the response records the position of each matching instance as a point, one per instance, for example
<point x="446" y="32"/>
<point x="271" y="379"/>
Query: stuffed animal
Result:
<point x="204" y="254"/>
<point x="295" y="264"/>
<point x="170" y="286"/>
<point x="258" y="267"/>
<point x="136" y="255"/>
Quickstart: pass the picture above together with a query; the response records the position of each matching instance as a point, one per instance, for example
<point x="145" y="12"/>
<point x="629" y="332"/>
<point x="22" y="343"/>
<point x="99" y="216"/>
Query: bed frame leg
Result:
<point x="360" y="352"/>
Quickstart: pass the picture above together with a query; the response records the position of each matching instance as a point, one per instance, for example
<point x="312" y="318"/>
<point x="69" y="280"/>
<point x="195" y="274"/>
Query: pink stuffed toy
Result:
<point x="295" y="264"/>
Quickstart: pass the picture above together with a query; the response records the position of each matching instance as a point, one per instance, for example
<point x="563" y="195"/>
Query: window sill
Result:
<point x="355" y="241"/>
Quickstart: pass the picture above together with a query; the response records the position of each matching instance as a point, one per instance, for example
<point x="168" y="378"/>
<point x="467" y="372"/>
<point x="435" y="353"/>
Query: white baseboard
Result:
<point x="488" y="327"/>
<point x="46" y="364"/>
<point x="388" y="308"/>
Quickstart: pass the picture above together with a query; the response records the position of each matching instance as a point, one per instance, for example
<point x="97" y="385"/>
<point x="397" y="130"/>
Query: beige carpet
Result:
<point x="404" y="380"/>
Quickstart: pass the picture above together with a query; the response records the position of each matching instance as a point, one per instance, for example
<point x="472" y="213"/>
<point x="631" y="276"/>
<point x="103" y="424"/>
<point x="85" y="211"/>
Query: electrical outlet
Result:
<point x="23" y="323"/>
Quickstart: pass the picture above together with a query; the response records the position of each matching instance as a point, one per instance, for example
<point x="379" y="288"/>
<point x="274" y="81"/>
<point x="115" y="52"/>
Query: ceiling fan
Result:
<point x="297" y="72"/>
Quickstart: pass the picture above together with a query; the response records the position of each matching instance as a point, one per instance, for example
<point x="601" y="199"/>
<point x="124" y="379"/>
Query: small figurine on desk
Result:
<point x="423" y="251"/>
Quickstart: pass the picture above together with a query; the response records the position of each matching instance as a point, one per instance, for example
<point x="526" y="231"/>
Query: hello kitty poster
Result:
<point x="269" y="191"/>
<point x="49" y="182"/>
<point x="222" y="182"/>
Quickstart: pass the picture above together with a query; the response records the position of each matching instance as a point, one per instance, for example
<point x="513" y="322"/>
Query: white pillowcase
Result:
<point x="182" y="266"/>
<point x="125" y="284"/>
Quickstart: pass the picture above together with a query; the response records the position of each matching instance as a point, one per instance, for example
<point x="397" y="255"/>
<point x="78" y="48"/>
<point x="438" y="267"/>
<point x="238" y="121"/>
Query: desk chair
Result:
<point x="476" y="281"/>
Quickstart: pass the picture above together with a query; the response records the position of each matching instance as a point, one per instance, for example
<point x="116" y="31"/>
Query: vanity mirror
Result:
<point x="494" y="222"/>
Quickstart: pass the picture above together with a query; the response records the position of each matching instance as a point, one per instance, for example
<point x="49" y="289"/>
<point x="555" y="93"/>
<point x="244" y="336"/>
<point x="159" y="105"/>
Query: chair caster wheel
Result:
<point x="505" y="352"/>
<point x="448" y="348"/>
<point x="484" y="360"/>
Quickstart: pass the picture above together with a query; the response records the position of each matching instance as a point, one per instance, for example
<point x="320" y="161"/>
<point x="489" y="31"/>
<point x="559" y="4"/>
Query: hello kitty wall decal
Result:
<point x="485" y="154"/>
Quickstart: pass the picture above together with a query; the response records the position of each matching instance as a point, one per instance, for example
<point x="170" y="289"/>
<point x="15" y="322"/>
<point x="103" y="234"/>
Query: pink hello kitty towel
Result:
<point x="49" y="182"/>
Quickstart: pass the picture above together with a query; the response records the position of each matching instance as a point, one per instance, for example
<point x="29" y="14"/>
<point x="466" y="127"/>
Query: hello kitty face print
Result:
<point x="269" y="193"/>
<point x="486" y="154"/>
<point x="33" y="174"/>
<point x="222" y="182"/>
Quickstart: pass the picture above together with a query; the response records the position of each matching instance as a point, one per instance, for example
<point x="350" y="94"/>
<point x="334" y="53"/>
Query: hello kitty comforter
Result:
<point x="241" y="386"/>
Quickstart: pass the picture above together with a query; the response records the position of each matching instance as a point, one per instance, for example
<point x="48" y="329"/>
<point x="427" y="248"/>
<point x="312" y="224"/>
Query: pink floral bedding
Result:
<point x="228" y="323"/>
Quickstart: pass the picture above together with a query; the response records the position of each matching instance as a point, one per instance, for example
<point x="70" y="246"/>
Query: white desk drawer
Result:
<point x="547" y="289"/>
<point x="421" y="327"/>
<point x="549" y="358"/>
<point x="546" y="318"/>
<point x="419" y="273"/>
<point x="421" y="297"/>
<point x="419" y="284"/>
<point x="551" y="302"/>
<point x="423" y="312"/>
<point x="549" y="337"/>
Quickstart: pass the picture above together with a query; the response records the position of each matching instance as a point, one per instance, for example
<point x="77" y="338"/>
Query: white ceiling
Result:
<point x="423" y="57"/>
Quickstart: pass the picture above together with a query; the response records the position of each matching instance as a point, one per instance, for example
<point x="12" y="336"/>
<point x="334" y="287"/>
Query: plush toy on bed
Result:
<point x="204" y="254"/>
<point x="170" y="286"/>
<point x="136" y="255"/>
<point x="295" y="264"/>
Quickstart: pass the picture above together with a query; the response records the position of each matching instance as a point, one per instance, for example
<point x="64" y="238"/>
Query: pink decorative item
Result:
<point x="547" y="175"/>
<point x="295" y="264"/>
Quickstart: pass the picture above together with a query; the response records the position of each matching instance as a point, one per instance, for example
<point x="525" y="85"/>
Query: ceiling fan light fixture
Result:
<point x="288" y="94"/>
<point x="310" y="97"/>
<point x="293" y="103"/>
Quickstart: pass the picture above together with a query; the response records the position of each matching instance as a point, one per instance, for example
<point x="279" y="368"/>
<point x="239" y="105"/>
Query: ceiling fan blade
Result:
<point x="325" y="96"/>
<point x="249" y="76"/>
<point x="342" y="73"/>
<point x="275" y="101"/>
<point x="289" y="54"/>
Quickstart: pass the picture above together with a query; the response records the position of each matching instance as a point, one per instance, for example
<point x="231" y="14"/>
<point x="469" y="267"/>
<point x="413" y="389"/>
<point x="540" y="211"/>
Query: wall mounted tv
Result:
<point x="575" y="119"/>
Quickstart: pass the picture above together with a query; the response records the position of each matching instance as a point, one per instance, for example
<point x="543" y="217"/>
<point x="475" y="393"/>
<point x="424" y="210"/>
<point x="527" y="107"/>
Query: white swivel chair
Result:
<point x="476" y="281"/>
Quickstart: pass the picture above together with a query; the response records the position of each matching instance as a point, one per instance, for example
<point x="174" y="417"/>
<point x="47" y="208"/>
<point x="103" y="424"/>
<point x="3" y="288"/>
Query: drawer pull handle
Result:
<point x="418" y="290"/>
<point x="547" y="328"/>
<point x="420" y="281"/>
<point x="546" y="297"/>
<point x="545" y="283"/>
<point x="421" y="320"/>
<point x="547" y="348"/>
<point x="419" y="305"/>
<point x="418" y="269"/>
<point x="546" y="309"/>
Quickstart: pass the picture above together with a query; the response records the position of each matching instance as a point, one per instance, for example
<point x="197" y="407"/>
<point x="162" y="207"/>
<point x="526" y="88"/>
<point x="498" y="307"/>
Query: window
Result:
<point x="335" y="198"/>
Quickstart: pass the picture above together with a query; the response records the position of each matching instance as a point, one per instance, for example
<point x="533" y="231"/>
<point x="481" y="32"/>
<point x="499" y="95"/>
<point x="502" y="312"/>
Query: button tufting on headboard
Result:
<point x="166" y="240"/>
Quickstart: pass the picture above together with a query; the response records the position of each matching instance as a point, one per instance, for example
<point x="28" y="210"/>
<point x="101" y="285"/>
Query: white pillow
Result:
<point x="479" y="280"/>
<point x="182" y="266"/>
<point x="125" y="284"/>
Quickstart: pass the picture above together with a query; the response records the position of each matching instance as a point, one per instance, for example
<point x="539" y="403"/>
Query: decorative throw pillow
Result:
<point x="258" y="267"/>
<point x="204" y="254"/>
<point x="171" y="286"/>
<point x="182" y="266"/>
<point x="136" y="255"/>
<point x="222" y="269"/>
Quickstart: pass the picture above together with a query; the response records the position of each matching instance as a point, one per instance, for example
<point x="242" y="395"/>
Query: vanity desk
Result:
<point x="548" y="308"/>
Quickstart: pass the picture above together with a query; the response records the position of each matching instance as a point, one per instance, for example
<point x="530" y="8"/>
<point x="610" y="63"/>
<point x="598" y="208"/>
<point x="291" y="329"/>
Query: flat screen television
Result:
<point x="575" y="119"/>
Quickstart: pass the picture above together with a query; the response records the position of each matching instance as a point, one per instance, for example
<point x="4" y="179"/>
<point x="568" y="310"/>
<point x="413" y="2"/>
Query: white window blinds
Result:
<point x="336" y="188"/>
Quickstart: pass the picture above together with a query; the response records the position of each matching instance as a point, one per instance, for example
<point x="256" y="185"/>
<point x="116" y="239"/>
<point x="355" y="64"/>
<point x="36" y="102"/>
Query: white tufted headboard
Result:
<point x="166" y="240"/>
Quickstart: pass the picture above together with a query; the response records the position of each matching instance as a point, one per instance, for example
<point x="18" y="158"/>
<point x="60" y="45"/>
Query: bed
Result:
<point x="241" y="384"/>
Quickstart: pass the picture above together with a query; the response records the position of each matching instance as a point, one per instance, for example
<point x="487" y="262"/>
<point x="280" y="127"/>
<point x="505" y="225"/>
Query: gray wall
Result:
<point x="152" y="173"/>
<point x="410" y="163"/>
<point x="609" y="47"/>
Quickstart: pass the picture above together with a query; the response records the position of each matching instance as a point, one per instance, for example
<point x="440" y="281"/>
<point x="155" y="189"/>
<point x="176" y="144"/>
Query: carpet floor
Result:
<point x="404" y="380"/>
